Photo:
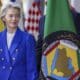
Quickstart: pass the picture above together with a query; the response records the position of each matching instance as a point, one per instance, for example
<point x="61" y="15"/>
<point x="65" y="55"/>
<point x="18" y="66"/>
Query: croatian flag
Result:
<point x="32" y="14"/>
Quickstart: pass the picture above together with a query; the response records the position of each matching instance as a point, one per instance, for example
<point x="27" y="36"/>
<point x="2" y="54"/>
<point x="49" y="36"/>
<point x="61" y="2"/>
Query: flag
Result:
<point x="60" y="58"/>
<point x="32" y="15"/>
<point x="76" y="76"/>
<point x="75" y="4"/>
<point x="45" y="6"/>
<point x="41" y="27"/>
<point x="40" y="36"/>
<point x="42" y="19"/>
<point x="1" y="23"/>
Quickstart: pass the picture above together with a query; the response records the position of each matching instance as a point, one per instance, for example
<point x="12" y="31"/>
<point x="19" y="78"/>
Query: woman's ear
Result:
<point x="3" y="20"/>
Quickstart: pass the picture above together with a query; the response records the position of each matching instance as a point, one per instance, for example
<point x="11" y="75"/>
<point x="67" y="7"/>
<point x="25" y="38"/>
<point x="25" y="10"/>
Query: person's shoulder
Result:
<point x="1" y="33"/>
<point x="27" y="35"/>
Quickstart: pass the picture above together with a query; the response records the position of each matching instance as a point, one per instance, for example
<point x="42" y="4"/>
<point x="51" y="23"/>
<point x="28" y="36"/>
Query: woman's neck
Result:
<point x="11" y="30"/>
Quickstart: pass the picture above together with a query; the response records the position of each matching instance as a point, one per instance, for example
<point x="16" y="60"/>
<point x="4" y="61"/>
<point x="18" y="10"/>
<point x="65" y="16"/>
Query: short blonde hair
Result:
<point x="9" y="5"/>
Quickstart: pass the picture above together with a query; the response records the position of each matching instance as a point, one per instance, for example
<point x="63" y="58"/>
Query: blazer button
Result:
<point x="13" y="58"/>
<point x="3" y="67"/>
<point x="10" y="67"/>
<point x="2" y="59"/>
<point x="0" y="50"/>
<point x="16" y="50"/>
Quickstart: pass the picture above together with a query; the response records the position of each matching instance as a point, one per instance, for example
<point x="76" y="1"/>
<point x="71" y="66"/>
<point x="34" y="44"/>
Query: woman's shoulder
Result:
<point x="27" y="35"/>
<point x="1" y="36"/>
<point x="1" y="33"/>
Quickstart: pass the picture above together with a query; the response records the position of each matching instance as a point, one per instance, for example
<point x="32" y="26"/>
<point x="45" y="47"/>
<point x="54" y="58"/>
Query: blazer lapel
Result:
<point x="15" y="42"/>
<point x="5" y="48"/>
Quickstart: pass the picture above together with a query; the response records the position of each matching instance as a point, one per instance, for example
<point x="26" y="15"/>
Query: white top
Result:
<point x="76" y="5"/>
<point x="9" y="38"/>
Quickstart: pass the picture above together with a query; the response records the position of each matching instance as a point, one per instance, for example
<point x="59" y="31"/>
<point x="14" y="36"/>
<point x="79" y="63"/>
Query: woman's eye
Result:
<point x="17" y="16"/>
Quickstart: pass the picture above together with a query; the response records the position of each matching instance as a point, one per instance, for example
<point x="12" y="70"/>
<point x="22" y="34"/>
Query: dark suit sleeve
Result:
<point x="32" y="73"/>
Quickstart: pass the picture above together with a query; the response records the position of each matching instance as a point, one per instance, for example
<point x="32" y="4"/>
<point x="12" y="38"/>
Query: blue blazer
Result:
<point x="19" y="61"/>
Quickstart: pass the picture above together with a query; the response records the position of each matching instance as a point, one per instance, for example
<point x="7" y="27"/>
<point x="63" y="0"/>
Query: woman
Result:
<point x="17" y="48"/>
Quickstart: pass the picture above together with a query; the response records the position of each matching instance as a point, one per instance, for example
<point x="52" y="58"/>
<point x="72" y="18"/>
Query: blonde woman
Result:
<point x="17" y="48"/>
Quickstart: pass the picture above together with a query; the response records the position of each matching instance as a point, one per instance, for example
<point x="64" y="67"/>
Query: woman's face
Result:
<point x="12" y="17"/>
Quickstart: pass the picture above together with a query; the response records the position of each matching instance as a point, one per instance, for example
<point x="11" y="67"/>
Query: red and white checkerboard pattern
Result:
<point x="32" y="19"/>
